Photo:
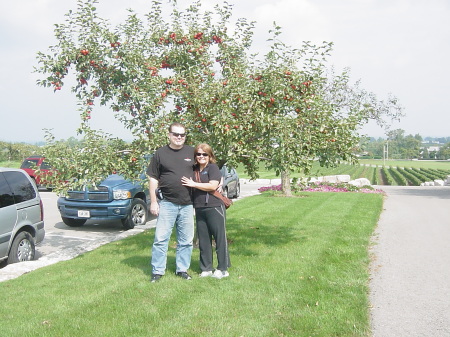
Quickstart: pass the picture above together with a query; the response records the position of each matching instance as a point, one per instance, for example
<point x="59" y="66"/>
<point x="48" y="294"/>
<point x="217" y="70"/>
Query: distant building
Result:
<point x="434" y="148"/>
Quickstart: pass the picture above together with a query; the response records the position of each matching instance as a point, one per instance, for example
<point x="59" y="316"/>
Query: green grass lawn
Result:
<point x="299" y="268"/>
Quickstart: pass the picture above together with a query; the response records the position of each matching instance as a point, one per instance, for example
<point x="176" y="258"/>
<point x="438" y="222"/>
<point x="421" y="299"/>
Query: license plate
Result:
<point x="84" y="214"/>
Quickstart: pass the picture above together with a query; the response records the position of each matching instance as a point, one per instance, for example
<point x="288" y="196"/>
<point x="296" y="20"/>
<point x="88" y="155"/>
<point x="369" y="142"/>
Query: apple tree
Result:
<point x="196" y="67"/>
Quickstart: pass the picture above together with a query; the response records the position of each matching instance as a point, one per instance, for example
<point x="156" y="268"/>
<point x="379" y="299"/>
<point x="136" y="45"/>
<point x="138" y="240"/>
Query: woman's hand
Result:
<point x="187" y="182"/>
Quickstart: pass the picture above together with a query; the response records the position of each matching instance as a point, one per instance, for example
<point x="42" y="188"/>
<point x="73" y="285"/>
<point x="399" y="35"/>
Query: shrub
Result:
<point x="388" y="179"/>
<point x="412" y="179"/>
<point x="432" y="174"/>
<point x="375" y="176"/>
<point x="416" y="177"/>
<point x="398" y="176"/>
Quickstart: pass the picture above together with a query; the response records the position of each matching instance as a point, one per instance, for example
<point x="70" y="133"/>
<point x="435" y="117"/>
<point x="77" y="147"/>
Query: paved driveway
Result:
<point x="410" y="274"/>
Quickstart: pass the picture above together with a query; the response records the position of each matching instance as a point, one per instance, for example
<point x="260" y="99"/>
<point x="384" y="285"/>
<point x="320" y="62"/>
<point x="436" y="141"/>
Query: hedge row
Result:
<point x="398" y="176"/>
<point x="388" y="179"/>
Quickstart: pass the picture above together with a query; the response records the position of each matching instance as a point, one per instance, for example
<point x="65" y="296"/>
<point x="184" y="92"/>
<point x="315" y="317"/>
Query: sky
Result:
<point x="400" y="47"/>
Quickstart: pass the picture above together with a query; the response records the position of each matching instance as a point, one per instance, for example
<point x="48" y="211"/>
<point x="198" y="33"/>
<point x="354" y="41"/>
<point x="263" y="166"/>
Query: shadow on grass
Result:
<point x="247" y="233"/>
<point x="143" y="263"/>
<point x="241" y="238"/>
<point x="142" y="243"/>
<point x="244" y="235"/>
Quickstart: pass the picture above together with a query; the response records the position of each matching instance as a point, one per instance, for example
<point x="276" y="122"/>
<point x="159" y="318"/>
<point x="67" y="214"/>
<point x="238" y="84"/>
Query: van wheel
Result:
<point x="22" y="248"/>
<point x="74" y="222"/>
<point x="138" y="214"/>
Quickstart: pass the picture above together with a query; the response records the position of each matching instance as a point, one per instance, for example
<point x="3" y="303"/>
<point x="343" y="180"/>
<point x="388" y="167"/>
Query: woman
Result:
<point x="209" y="213"/>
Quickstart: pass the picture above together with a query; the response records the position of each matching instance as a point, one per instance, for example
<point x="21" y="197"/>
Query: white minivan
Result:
<point x="21" y="216"/>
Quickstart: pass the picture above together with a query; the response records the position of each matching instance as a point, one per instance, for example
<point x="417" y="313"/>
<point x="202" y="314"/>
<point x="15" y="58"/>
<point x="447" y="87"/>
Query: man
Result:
<point x="168" y="165"/>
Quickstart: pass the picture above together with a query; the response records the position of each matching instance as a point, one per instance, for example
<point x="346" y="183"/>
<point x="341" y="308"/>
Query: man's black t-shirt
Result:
<point x="168" y="166"/>
<point x="203" y="198"/>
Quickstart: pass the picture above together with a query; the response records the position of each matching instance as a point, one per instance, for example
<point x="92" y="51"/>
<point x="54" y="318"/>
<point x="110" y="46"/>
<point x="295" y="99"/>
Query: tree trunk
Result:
<point x="286" y="183"/>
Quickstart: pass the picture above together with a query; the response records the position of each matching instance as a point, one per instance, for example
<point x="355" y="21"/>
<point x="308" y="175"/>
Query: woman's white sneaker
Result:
<point x="220" y="274"/>
<point x="206" y="273"/>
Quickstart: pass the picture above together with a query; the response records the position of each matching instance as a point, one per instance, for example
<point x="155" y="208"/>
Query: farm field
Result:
<point x="427" y="164"/>
<point x="394" y="172"/>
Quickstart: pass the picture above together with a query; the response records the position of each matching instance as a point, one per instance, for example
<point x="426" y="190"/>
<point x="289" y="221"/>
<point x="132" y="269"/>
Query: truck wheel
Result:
<point x="74" y="222"/>
<point x="225" y="192"/>
<point x="22" y="248"/>
<point x="138" y="214"/>
<point x="238" y="191"/>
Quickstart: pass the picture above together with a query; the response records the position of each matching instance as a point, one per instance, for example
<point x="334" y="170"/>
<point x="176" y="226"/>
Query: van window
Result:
<point x="6" y="197"/>
<point x="20" y="186"/>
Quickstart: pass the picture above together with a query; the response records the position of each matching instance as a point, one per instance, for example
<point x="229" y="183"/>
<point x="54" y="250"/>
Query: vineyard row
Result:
<point x="385" y="175"/>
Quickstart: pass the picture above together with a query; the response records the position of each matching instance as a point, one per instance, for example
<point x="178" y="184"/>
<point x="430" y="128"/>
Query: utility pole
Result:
<point x="385" y="152"/>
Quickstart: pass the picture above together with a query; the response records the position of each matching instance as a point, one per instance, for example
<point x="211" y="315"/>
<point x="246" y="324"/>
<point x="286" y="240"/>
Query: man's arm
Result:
<point x="154" y="206"/>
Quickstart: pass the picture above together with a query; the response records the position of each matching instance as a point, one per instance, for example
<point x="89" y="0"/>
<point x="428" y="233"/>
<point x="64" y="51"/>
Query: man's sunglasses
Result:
<point x="202" y="154"/>
<point x="175" y="134"/>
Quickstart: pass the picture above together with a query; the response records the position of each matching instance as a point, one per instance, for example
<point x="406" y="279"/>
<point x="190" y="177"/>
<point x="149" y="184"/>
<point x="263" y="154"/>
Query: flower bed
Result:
<point x="324" y="187"/>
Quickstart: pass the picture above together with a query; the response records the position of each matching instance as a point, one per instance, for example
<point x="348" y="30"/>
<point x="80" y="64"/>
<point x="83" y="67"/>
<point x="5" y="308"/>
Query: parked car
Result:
<point x="21" y="216"/>
<point x="32" y="163"/>
<point x="114" y="199"/>
<point x="231" y="187"/>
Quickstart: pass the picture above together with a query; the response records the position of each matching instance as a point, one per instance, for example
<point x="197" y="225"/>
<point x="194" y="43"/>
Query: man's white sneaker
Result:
<point x="206" y="273"/>
<point x="220" y="274"/>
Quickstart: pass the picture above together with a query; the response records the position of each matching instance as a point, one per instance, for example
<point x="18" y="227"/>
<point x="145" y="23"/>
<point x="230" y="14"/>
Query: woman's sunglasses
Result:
<point x="202" y="154"/>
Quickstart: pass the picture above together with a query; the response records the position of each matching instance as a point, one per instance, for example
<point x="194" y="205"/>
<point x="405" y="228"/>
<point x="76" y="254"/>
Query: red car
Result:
<point x="30" y="164"/>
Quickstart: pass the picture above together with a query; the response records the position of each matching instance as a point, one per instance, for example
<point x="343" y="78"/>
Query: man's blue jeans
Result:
<point x="182" y="216"/>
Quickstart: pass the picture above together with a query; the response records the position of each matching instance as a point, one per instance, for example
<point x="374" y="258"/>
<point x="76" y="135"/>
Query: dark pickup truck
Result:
<point x="115" y="198"/>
